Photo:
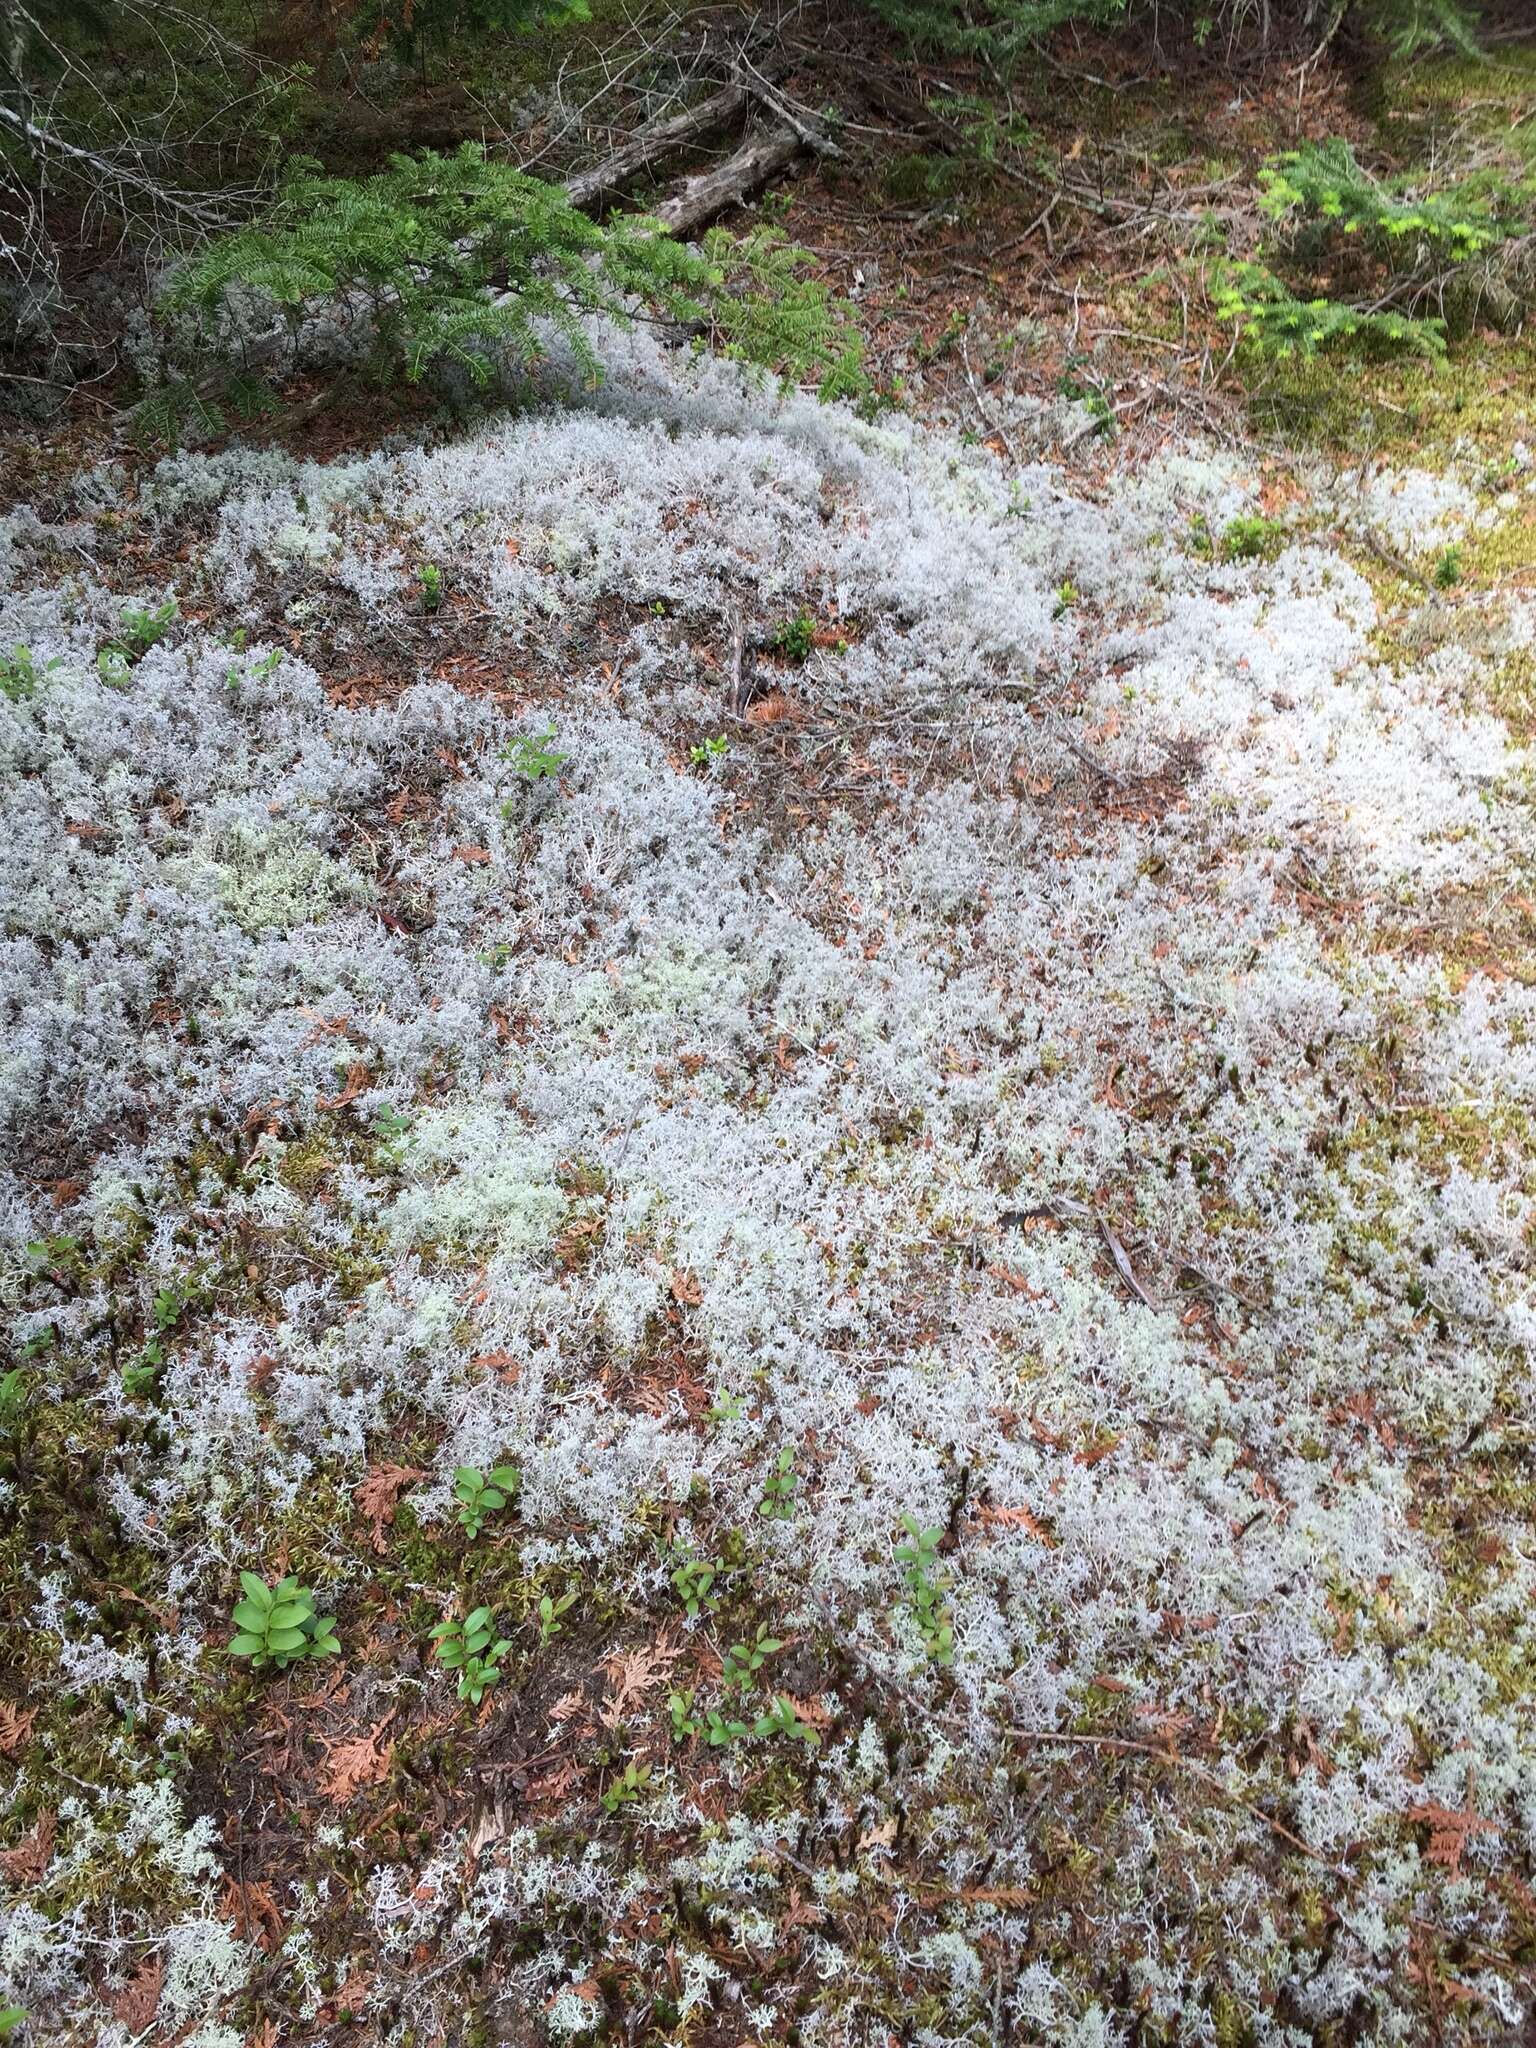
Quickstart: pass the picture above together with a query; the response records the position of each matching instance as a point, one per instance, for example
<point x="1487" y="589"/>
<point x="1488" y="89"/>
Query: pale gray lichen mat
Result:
<point x="1062" y="1075"/>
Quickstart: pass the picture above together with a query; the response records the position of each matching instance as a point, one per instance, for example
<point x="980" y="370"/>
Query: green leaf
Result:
<point x="288" y="1614"/>
<point x="476" y="1620"/>
<point x="286" y="1639"/>
<point x="247" y="1645"/>
<point x="247" y="1614"/>
<point x="256" y="1589"/>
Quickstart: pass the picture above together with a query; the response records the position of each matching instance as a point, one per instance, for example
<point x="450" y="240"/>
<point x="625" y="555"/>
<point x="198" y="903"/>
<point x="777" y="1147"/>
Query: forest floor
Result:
<point x="922" y="1017"/>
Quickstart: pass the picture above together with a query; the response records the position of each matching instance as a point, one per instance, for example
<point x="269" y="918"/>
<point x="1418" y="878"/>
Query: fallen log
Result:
<point x="589" y="189"/>
<point x="710" y="192"/>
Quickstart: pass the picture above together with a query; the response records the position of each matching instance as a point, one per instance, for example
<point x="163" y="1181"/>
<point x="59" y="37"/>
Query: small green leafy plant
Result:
<point x="258" y="671"/>
<point x="1250" y="537"/>
<point x="1448" y="568"/>
<point x="1066" y="597"/>
<point x="782" y="1719"/>
<point x="919" y="1556"/>
<point x="389" y="1125"/>
<point x="13" y="1398"/>
<point x="778" y="1501"/>
<point x="483" y="1493"/>
<point x="279" y="1625"/>
<point x="713" y="1727"/>
<point x="20" y="674"/>
<point x="693" y="1580"/>
<point x="534" y="756"/>
<point x="138" y="631"/>
<point x="430" y="578"/>
<point x="628" y="1787"/>
<point x="742" y="1661"/>
<point x="796" y="637"/>
<point x="472" y="1648"/>
<point x="707" y="752"/>
<point x="550" y="1611"/>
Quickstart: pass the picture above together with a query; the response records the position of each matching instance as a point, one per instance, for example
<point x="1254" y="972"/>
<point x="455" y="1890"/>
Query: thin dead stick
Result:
<point x="1119" y="1745"/>
<point x="1125" y="1745"/>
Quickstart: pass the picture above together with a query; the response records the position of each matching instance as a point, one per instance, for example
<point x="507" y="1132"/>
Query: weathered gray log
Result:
<point x="654" y="145"/>
<point x="710" y="192"/>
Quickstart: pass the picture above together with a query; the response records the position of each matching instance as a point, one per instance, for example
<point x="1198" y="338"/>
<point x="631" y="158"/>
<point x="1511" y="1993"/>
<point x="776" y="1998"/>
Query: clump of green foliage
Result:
<point x="20" y="674"/>
<point x="1274" y="322"/>
<point x="138" y="630"/>
<point x="796" y="637"/>
<point x="694" y="1581"/>
<point x="472" y="1648"/>
<point x="743" y="1660"/>
<point x="534" y="756"/>
<point x="462" y="261"/>
<point x="1410" y="247"/>
<point x="628" y="1787"/>
<point x="1250" y="537"/>
<point x="483" y="1493"/>
<point x="409" y="26"/>
<point x="279" y="1625"/>
<point x="1001" y="32"/>
<point x="550" y="1611"/>
<point x="778" y="1501"/>
<point x="919" y="1558"/>
<point x="1324" y="182"/>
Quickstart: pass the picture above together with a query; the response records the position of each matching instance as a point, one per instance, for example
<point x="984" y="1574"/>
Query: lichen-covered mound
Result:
<point x="942" y="1062"/>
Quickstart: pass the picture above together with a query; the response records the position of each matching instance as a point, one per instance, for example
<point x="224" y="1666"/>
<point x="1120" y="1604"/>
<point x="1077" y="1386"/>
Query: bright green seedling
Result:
<point x="742" y="1661"/>
<point x="709" y="751"/>
<point x="550" y="1611"/>
<point x="534" y="757"/>
<point x="684" y="1722"/>
<point x="781" y="1719"/>
<point x="1066" y="596"/>
<point x="693" y="1581"/>
<point x="482" y="1493"/>
<point x="278" y="1625"/>
<point x="727" y="1408"/>
<point x="236" y="673"/>
<point x="1249" y="537"/>
<point x="13" y="1397"/>
<point x="170" y="1301"/>
<point x="719" y="1732"/>
<point x="137" y="632"/>
<point x="20" y="674"/>
<point x="919" y="1555"/>
<point x="627" y="1787"/>
<point x="139" y="1379"/>
<point x="778" y="1501"/>
<point x="431" y="580"/>
<point x="796" y="637"/>
<point x="1448" y="568"/>
<point x="389" y="1124"/>
<point x="473" y="1649"/>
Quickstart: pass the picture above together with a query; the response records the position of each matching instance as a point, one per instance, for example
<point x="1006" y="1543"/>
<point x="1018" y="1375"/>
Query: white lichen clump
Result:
<point x="835" y="1060"/>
